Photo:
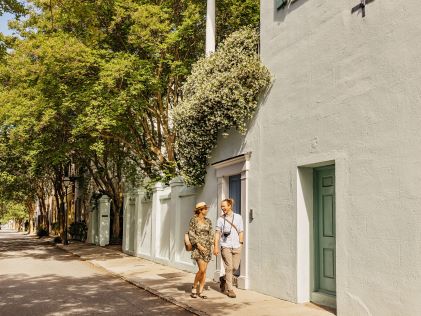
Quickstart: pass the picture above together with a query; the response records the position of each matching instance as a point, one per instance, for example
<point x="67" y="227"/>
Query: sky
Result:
<point x="3" y="23"/>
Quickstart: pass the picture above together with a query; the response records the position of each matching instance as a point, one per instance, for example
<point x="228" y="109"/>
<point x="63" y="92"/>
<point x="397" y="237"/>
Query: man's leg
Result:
<point x="227" y="258"/>
<point x="236" y="258"/>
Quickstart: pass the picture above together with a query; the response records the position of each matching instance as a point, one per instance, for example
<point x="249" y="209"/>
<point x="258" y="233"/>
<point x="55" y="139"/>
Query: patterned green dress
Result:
<point x="203" y="234"/>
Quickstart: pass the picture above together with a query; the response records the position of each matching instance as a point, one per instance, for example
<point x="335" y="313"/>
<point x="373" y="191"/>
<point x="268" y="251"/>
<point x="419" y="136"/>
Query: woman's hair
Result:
<point x="230" y="201"/>
<point x="198" y="209"/>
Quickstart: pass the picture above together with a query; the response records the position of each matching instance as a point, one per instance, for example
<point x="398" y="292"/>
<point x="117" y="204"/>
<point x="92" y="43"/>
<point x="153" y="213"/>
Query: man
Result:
<point x="229" y="231"/>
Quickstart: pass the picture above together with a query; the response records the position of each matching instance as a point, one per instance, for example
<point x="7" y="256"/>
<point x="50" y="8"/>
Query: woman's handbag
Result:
<point x="187" y="243"/>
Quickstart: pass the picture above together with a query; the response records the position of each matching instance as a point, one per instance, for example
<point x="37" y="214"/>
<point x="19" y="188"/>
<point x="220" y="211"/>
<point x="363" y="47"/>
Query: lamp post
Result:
<point x="210" y="27"/>
<point x="66" y="182"/>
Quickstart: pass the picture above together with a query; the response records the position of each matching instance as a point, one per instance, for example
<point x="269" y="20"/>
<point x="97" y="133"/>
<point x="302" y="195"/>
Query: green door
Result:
<point x="324" y="227"/>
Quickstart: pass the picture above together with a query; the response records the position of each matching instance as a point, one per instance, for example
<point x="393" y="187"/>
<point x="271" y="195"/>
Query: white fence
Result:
<point x="153" y="227"/>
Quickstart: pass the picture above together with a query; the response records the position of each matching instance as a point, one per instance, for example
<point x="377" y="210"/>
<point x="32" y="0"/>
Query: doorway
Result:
<point x="324" y="231"/>
<point x="235" y="192"/>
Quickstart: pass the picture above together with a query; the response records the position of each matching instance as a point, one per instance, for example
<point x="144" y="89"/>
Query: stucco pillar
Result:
<point x="92" y="224"/>
<point x="243" y="281"/>
<point x="104" y="220"/>
<point x="156" y="219"/>
<point x="221" y="195"/>
<point x="210" y="27"/>
<point x="128" y="198"/>
<point x="139" y="197"/>
<point x="175" y="209"/>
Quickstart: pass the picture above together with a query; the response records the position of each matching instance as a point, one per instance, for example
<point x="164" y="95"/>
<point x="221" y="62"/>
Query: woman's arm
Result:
<point x="192" y="231"/>
<point x="216" y="242"/>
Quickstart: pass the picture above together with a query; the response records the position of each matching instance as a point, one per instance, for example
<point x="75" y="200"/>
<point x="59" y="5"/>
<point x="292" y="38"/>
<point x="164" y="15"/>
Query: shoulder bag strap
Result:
<point x="232" y="224"/>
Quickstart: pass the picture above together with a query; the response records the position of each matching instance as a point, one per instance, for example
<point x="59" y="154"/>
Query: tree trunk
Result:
<point x="116" y="223"/>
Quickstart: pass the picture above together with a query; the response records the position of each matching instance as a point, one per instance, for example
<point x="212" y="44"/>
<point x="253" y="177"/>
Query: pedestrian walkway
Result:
<point x="174" y="285"/>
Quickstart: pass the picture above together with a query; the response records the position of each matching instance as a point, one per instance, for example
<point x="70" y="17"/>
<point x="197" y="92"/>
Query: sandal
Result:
<point x="202" y="296"/>
<point x="193" y="292"/>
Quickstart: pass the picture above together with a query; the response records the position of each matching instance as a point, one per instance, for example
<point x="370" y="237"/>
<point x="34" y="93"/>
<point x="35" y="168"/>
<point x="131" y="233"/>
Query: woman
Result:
<point x="201" y="237"/>
<point x="229" y="231"/>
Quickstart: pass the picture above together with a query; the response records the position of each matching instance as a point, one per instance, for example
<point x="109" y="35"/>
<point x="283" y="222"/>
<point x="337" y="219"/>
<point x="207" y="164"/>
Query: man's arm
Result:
<point x="241" y="237"/>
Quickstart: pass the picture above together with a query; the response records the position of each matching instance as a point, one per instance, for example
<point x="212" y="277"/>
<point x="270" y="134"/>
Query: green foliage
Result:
<point x="231" y="15"/>
<point x="221" y="93"/>
<point x="12" y="211"/>
<point x="78" y="230"/>
<point x="42" y="231"/>
<point x="55" y="228"/>
<point x="96" y="82"/>
<point x="12" y="6"/>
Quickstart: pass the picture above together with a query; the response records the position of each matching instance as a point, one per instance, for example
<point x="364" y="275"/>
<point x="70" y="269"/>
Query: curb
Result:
<point x="140" y="285"/>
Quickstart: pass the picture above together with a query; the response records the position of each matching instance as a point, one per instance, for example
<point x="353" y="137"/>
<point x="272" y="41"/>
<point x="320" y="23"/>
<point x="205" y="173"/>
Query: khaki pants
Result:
<point x="231" y="258"/>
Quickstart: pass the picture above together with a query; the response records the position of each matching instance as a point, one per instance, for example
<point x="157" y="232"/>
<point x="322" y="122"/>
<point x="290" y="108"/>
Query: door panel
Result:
<point x="325" y="231"/>
<point x="235" y="192"/>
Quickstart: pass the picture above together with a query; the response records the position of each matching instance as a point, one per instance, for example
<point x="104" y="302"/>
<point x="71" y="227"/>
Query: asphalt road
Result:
<point x="38" y="279"/>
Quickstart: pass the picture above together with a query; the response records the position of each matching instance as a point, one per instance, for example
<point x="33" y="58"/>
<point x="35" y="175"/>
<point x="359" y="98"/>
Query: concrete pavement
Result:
<point x="174" y="285"/>
<point x="36" y="278"/>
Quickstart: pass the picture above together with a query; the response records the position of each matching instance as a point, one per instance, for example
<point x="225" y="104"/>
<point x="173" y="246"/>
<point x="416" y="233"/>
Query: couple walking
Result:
<point x="228" y="235"/>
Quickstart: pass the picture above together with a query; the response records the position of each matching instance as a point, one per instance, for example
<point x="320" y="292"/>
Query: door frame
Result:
<point x="225" y="168"/>
<point x="304" y="230"/>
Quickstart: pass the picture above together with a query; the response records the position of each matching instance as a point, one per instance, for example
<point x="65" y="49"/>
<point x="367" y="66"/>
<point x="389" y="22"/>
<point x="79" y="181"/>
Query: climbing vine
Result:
<point x="221" y="93"/>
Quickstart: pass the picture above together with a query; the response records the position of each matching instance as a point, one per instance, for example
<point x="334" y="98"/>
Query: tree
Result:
<point x="95" y="82"/>
<point x="12" y="6"/>
<point x="43" y="81"/>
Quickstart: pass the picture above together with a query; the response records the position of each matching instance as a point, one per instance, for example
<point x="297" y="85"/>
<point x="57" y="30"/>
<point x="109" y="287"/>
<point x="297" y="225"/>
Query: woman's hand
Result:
<point x="215" y="251"/>
<point x="201" y="248"/>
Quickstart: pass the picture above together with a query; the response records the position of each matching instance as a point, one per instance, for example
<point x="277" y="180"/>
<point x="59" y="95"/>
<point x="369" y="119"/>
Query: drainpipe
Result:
<point x="210" y="27"/>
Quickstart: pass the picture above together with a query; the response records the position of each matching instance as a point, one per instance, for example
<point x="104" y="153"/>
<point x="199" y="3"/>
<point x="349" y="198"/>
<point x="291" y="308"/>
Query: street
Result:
<point x="38" y="279"/>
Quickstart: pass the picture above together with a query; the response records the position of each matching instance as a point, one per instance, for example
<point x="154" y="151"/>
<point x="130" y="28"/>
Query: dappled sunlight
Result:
<point x="38" y="279"/>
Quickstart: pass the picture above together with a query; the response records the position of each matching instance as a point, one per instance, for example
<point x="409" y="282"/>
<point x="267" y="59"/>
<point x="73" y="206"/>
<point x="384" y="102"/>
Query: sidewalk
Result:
<point x="174" y="285"/>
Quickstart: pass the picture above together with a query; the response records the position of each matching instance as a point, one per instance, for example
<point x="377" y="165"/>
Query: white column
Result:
<point x="222" y="192"/>
<point x="210" y="27"/>
<point x="156" y="219"/>
<point x="104" y="220"/>
<point x="127" y="201"/>
<point x="243" y="281"/>
<point x="140" y="196"/>
<point x="93" y="224"/>
<point x="176" y="232"/>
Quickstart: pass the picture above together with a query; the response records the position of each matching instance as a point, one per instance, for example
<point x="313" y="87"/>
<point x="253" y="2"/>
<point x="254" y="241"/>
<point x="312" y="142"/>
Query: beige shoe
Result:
<point x="230" y="293"/>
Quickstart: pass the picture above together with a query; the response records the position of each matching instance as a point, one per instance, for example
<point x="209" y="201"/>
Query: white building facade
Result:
<point x="327" y="178"/>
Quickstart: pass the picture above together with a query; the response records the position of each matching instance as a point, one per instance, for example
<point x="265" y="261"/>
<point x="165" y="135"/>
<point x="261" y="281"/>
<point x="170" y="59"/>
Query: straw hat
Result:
<point x="200" y="205"/>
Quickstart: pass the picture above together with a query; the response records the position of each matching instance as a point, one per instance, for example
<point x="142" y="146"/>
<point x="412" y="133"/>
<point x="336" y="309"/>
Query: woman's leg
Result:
<point x="203" y="265"/>
<point x="198" y="276"/>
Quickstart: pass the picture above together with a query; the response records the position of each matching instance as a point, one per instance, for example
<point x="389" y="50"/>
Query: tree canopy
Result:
<point x="96" y="82"/>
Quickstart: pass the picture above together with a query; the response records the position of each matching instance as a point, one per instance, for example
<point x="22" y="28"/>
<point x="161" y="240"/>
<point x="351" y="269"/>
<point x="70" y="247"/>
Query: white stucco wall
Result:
<point x="346" y="89"/>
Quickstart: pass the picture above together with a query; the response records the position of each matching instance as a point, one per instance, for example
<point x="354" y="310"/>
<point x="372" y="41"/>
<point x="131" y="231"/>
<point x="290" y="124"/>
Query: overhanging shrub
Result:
<point x="221" y="93"/>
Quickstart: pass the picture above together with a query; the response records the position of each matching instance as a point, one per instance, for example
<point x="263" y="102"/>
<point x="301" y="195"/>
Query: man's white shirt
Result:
<point x="223" y="226"/>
